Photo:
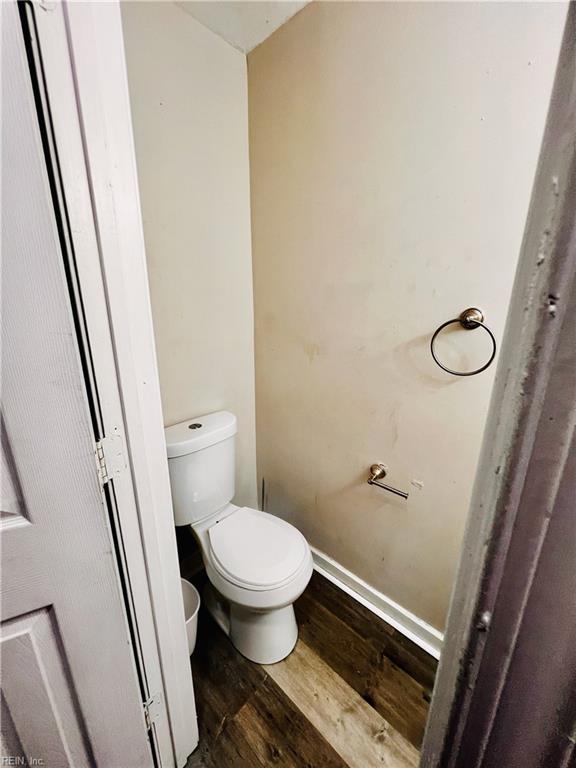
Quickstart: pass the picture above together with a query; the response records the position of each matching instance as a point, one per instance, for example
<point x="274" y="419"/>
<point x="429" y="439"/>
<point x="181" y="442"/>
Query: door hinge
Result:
<point x="110" y="458"/>
<point x="152" y="709"/>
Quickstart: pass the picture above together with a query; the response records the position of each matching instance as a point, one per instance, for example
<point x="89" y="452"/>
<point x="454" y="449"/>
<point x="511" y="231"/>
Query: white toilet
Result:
<point x="257" y="564"/>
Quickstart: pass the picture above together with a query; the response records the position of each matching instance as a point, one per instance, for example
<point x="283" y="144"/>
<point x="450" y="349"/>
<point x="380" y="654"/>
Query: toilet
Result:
<point x="257" y="564"/>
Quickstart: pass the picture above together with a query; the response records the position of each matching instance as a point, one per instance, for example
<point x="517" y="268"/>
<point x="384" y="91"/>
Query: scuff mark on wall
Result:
<point x="312" y="350"/>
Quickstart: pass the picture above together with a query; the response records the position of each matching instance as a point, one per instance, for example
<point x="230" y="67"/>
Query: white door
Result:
<point x="70" y="692"/>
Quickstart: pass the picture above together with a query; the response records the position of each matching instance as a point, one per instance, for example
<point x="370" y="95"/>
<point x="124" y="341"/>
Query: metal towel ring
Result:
<point x="469" y="319"/>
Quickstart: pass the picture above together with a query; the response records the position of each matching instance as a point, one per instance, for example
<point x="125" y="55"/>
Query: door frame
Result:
<point x="74" y="689"/>
<point x="84" y="73"/>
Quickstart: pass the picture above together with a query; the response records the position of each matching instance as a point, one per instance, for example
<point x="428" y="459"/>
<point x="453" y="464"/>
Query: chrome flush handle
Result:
<point x="377" y="473"/>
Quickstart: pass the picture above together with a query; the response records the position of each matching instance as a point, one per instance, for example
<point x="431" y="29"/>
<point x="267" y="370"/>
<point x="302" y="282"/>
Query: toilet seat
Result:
<point x="256" y="551"/>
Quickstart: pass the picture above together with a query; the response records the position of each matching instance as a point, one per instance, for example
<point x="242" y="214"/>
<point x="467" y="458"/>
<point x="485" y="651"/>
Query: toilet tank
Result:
<point x="201" y="463"/>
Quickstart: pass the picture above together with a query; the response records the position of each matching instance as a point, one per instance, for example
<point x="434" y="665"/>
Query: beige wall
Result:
<point x="189" y="105"/>
<point x="393" y="148"/>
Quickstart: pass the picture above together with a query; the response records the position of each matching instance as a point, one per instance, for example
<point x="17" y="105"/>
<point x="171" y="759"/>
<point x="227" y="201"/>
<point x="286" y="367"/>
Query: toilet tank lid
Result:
<point x="200" y="432"/>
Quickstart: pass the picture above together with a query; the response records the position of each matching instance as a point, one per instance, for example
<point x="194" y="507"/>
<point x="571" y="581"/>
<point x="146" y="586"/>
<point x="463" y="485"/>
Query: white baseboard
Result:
<point x="407" y="623"/>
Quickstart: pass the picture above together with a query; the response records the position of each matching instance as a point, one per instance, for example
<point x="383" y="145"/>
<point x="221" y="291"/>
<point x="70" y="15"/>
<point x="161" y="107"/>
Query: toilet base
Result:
<point x="264" y="637"/>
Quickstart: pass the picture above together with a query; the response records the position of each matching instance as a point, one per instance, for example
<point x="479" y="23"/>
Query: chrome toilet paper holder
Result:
<point x="377" y="473"/>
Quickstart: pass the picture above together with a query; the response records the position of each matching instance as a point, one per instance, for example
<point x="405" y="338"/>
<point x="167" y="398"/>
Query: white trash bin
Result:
<point x="191" y="600"/>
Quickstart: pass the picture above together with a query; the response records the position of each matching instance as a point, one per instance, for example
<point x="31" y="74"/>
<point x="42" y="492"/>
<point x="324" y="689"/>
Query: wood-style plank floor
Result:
<point x="354" y="693"/>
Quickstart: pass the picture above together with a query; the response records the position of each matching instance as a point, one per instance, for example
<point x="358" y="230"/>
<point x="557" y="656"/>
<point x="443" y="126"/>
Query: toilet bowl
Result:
<point x="256" y="563"/>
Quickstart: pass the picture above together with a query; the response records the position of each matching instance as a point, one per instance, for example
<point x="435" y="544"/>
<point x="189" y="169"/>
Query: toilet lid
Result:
<point x="256" y="549"/>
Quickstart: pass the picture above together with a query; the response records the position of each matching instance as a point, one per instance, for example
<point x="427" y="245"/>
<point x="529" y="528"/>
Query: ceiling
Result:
<point x="242" y="24"/>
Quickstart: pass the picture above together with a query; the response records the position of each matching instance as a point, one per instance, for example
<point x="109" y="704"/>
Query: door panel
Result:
<point x="70" y="691"/>
<point x="32" y="643"/>
<point x="12" y="509"/>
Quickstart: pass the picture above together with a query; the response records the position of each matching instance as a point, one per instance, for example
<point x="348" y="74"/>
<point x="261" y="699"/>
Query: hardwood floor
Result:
<point x="354" y="693"/>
